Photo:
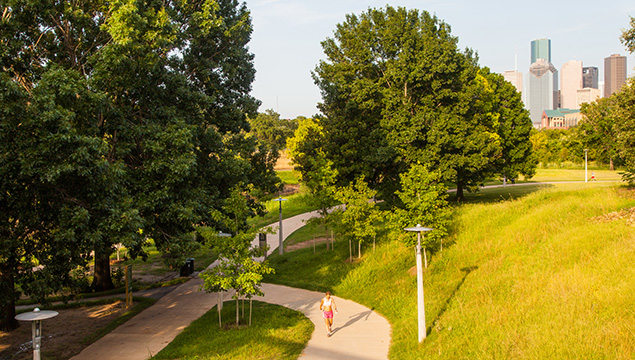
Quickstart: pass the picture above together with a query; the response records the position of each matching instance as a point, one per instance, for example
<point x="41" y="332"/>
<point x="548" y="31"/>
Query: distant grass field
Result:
<point x="528" y="276"/>
<point x="288" y="177"/>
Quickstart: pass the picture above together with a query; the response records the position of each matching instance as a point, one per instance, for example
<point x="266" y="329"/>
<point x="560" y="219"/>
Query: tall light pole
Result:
<point x="421" y="312"/>
<point x="586" y="177"/>
<point x="280" y="250"/>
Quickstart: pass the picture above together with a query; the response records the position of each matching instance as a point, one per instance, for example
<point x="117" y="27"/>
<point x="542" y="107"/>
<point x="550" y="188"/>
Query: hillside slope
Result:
<point x="545" y="276"/>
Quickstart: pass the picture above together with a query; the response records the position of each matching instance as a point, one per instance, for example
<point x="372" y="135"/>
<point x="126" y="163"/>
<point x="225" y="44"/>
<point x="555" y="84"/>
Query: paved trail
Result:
<point x="359" y="333"/>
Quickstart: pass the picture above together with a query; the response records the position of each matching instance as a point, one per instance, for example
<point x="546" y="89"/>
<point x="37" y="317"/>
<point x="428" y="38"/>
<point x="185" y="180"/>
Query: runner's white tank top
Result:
<point x="327" y="302"/>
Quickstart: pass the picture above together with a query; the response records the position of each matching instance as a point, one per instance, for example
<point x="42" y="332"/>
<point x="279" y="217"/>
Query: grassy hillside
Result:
<point x="542" y="276"/>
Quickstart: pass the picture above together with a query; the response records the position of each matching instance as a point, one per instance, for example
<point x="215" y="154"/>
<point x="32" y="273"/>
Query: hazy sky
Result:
<point x="287" y="35"/>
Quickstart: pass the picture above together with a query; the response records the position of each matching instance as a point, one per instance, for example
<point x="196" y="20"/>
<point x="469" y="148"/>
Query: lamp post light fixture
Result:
<point x="36" y="316"/>
<point x="421" y="312"/>
<point x="586" y="177"/>
<point x="280" y="247"/>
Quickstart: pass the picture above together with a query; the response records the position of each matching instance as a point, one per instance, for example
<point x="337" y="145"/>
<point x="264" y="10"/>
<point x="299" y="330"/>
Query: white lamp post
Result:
<point x="586" y="177"/>
<point x="420" y="303"/>
<point x="36" y="316"/>
<point x="280" y="250"/>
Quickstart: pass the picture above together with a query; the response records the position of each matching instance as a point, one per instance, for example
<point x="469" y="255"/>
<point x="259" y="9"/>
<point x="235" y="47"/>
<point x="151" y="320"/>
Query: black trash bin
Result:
<point x="262" y="239"/>
<point x="185" y="269"/>
<point x="190" y="264"/>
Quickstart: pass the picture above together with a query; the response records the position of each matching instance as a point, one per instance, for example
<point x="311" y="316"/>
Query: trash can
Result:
<point x="190" y="264"/>
<point x="185" y="269"/>
<point x="262" y="240"/>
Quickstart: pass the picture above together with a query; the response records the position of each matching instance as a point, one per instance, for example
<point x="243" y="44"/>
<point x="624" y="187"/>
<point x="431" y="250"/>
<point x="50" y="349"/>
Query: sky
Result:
<point x="287" y="36"/>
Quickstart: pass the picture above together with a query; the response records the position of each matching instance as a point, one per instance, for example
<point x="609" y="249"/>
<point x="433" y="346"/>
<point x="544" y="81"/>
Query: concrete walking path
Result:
<point x="359" y="333"/>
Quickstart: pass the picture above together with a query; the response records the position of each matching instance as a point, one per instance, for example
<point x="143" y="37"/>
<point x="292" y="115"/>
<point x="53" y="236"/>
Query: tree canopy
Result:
<point x="395" y="78"/>
<point x="120" y="121"/>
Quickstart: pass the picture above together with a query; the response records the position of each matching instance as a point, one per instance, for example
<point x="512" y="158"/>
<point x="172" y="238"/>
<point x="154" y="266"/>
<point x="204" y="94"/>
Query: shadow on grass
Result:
<point x="321" y="271"/>
<point x="502" y="193"/>
<point x="467" y="271"/>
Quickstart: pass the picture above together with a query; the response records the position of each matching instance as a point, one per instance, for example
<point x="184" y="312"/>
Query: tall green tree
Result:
<point x="628" y="36"/>
<point x="316" y="171"/>
<point x="395" y="78"/>
<point x="625" y="129"/>
<point x="271" y="130"/>
<point x="598" y="129"/>
<point x="142" y="128"/>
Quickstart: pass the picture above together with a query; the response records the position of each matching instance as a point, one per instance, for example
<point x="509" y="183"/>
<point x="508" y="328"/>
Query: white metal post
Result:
<point x="586" y="176"/>
<point x="421" y="312"/>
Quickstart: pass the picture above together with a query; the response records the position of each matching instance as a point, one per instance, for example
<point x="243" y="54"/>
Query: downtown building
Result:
<point x="614" y="74"/>
<point x="541" y="91"/>
<point x="515" y="78"/>
<point x="590" y="77"/>
<point x="571" y="80"/>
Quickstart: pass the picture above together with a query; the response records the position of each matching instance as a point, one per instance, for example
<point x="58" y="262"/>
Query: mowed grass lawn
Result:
<point x="275" y="333"/>
<point x="540" y="275"/>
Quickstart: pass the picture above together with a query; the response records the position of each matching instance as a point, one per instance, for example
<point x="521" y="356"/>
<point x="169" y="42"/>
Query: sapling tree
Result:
<point x="358" y="218"/>
<point x="237" y="268"/>
<point x="424" y="202"/>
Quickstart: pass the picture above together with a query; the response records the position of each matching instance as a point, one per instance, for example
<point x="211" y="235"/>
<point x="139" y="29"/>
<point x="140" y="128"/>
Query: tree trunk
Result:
<point x="327" y="240"/>
<point x="459" y="192"/>
<point x="237" y="312"/>
<point x="611" y="164"/>
<point x="7" y="289"/>
<point x="219" y="306"/>
<point x="102" y="280"/>
<point x="350" y="250"/>
<point x="359" y="249"/>
<point x="250" y="306"/>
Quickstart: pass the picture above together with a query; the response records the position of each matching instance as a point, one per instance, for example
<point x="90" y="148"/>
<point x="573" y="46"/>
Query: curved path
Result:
<point x="359" y="332"/>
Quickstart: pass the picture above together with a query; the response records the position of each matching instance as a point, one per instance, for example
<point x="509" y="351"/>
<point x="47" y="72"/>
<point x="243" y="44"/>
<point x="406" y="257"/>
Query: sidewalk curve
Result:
<point x="359" y="332"/>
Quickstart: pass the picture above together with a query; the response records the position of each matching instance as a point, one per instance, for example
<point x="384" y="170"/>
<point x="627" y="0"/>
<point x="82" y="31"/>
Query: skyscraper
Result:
<point x="590" y="77"/>
<point x="542" y="90"/>
<point x="540" y="49"/>
<point x="570" y="83"/>
<point x="514" y="77"/>
<point x="614" y="73"/>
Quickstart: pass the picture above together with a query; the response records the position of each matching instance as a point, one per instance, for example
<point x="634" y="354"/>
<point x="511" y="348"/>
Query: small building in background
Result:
<point x="560" y="118"/>
<point x="587" y="95"/>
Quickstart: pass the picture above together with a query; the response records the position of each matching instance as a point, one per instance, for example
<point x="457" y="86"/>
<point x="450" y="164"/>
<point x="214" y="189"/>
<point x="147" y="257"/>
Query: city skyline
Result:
<point x="287" y="35"/>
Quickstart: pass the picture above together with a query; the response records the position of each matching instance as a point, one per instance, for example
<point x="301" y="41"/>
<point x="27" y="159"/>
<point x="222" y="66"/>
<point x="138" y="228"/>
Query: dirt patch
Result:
<point x="283" y="163"/>
<point x="626" y="214"/>
<point x="290" y="189"/>
<point x="306" y="244"/>
<point x="62" y="335"/>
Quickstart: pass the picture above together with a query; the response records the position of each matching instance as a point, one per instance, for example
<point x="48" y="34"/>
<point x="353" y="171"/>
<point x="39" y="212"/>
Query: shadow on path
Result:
<point x="353" y="319"/>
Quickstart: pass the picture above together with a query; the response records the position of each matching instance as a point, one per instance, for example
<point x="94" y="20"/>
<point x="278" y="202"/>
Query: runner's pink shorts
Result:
<point x="328" y="314"/>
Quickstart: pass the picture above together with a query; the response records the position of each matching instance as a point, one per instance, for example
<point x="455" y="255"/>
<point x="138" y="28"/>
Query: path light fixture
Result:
<point x="36" y="316"/>
<point x="280" y="250"/>
<point x="420" y="304"/>
<point x="586" y="176"/>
